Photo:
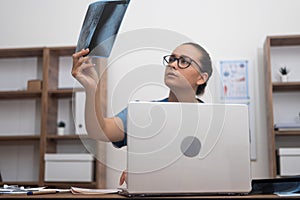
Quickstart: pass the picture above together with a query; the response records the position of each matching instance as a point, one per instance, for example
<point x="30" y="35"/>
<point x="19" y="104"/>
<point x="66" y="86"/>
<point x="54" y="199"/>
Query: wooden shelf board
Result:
<point x="67" y="137"/>
<point x="35" y="52"/>
<point x="19" y="137"/>
<point x="286" y="87"/>
<point x="291" y="40"/>
<point x="288" y="133"/>
<point x="64" y="93"/>
<point x="63" y="51"/>
<point x="19" y="94"/>
<point x="21" y="52"/>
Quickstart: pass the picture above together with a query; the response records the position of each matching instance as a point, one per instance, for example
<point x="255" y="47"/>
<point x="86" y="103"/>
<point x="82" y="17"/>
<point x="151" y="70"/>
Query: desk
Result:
<point x="116" y="196"/>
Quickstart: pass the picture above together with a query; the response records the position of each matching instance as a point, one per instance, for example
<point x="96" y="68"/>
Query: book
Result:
<point x="101" y="25"/>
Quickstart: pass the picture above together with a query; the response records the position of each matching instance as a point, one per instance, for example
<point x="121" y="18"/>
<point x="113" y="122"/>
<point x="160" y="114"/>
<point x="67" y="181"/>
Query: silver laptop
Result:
<point x="187" y="148"/>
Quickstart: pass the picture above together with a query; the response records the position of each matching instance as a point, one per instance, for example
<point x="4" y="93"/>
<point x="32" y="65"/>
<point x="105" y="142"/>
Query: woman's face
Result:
<point x="189" y="78"/>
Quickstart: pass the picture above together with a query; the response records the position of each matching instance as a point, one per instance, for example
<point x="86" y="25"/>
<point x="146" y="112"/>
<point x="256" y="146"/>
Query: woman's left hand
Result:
<point x="123" y="177"/>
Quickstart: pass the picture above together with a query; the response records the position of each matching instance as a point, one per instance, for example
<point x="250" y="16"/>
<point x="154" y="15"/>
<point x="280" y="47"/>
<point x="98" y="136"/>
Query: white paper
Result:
<point x="288" y="194"/>
<point x="76" y="190"/>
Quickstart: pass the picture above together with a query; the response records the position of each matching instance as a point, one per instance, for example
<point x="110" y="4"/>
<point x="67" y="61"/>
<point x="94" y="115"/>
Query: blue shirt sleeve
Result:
<point x="123" y="116"/>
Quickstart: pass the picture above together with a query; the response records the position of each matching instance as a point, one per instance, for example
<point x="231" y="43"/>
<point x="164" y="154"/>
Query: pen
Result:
<point x="50" y="191"/>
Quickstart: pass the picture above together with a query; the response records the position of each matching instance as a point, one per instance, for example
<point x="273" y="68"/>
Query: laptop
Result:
<point x="187" y="149"/>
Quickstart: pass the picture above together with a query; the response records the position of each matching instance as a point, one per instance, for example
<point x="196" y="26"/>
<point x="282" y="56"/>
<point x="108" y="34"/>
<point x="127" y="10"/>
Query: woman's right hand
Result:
<point x="83" y="70"/>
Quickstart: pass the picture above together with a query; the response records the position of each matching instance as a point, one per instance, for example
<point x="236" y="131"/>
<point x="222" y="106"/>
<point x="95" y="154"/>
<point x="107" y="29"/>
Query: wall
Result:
<point x="230" y="29"/>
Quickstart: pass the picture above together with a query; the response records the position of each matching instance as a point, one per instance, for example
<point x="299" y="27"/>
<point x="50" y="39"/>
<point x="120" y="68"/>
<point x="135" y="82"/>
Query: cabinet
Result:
<point x="34" y="116"/>
<point x="282" y="98"/>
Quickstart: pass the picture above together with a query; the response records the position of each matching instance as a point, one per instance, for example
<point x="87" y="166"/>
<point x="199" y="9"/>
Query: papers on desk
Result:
<point x="15" y="189"/>
<point x="76" y="190"/>
<point x="288" y="194"/>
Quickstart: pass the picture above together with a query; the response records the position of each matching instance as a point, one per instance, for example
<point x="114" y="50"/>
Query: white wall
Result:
<point x="230" y="29"/>
<point x="41" y="23"/>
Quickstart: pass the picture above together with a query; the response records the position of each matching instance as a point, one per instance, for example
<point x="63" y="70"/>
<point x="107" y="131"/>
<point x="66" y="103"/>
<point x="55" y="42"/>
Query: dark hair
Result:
<point x="205" y="64"/>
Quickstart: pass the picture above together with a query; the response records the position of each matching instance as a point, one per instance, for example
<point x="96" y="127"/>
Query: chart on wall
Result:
<point x="234" y="75"/>
<point x="235" y="89"/>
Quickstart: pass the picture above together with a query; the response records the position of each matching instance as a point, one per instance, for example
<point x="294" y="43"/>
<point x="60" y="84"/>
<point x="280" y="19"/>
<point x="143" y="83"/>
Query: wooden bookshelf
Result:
<point x="274" y="136"/>
<point x="48" y="61"/>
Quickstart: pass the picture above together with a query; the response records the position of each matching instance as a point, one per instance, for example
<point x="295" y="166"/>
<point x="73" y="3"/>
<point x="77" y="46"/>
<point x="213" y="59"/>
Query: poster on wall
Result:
<point x="234" y="77"/>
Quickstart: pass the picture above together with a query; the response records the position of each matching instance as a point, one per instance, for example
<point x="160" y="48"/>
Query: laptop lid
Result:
<point x="187" y="148"/>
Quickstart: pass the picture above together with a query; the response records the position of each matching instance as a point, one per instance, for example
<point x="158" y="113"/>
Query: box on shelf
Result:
<point x="289" y="160"/>
<point x="34" y="85"/>
<point x="69" y="167"/>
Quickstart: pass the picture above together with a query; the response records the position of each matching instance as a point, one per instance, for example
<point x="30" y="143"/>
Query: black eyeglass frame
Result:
<point x="190" y="61"/>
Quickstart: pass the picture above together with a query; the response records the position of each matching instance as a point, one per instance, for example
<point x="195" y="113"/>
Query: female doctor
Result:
<point x="188" y="68"/>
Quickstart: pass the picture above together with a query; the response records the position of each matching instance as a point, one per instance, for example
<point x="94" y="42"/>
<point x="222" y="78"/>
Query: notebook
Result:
<point x="187" y="149"/>
<point x="101" y="25"/>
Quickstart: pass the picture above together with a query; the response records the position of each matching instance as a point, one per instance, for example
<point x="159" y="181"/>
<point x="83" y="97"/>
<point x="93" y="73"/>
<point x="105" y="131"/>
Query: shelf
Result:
<point x="21" y="52"/>
<point x="287" y="133"/>
<point x="19" y="94"/>
<point x="67" y="137"/>
<point x="291" y="40"/>
<point x="284" y="137"/>
<point x="63" y="51"/>
<point x="19" y="137"/>
<point x="286" y="87"/>
<point x="64" y="93"/>
<point x="48" y="61"/>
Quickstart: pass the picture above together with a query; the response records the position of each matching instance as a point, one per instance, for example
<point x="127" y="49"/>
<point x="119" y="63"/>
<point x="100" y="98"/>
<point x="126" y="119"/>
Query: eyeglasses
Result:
<point x="183" y="62"/>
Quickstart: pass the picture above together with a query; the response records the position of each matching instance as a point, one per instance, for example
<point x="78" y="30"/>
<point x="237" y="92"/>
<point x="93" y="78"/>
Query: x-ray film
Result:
<point x="100" y="27"/>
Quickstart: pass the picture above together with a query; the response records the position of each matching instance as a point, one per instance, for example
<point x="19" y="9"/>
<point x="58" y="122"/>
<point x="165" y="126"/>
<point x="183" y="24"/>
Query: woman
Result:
<point x="188" y="69"/>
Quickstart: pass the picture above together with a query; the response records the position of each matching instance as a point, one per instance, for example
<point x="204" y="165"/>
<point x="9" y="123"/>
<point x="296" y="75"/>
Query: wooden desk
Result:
<point x="116" y="196"/>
